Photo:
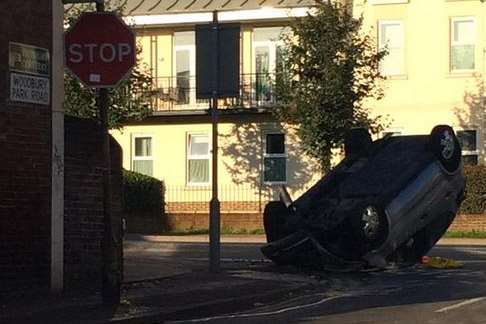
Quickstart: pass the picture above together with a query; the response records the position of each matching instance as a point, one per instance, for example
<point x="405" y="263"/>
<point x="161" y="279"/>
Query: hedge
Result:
<point x="141" y="193"/>
<point x="475" y="202"/>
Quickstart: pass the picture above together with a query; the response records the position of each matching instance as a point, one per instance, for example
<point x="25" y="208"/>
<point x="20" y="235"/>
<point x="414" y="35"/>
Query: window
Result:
<point x="185" y="66"/>
<point x="266" y="41"/>
<point x="463" y="36"/>
<point x="198" y="159"/>
<point x="391" y="36"/>
<point x="142" y="159"/>
<point x="275" y="159"/>
<point x="469" y="144"/>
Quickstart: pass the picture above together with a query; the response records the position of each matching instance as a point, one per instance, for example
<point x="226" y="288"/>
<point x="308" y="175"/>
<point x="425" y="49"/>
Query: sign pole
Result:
<point x="111" y="279"/>
<point x="214" y="205"/>
<point x="100" y="50"/>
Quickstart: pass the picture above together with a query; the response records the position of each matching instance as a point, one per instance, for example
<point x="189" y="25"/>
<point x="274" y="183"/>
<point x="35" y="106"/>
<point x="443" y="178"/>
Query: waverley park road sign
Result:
<point x="100" y="49"/>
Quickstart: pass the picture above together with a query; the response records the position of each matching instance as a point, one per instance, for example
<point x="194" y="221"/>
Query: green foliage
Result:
<point x="327" y="69"/>
<point x="141" y="193"/>
<point x="471" y="234"/>
<point x="475" y="202"/>
<point x="130" y="101"/>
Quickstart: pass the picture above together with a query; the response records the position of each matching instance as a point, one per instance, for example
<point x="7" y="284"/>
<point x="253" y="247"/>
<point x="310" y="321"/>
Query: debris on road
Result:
<point x="440" y="263"/>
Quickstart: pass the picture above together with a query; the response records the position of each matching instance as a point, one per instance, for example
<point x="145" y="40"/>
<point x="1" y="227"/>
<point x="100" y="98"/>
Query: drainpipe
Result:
<point x="57" y="145"/>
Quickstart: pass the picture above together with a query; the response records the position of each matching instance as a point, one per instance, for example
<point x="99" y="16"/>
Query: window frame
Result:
<point x="142" y="158"/>
<point x="394" y="130"/>
<point x="391" y="133"/>
<point x="274" y="155"/>
<point x="470" y="152"/>
<point x="190" y="157"/>
<point x="385" y="2"/>
<point x="381" y="23"/>
<point x="452" y="21"/>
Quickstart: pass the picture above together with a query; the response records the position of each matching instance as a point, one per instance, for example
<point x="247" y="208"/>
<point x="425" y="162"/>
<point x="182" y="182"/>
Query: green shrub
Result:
<point x="475" y="202"/>
<point x="141" y="193"/>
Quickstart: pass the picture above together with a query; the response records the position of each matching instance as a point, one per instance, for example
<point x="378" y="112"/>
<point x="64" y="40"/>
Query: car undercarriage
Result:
<point x="388" y="200"/>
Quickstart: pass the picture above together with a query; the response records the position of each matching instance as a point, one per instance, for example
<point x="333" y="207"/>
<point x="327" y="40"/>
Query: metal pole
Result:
<point x="214" y="205"/>
<point x="111" y="277"/>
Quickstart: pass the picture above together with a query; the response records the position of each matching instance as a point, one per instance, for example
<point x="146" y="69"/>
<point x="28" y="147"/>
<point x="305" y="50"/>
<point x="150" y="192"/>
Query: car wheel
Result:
<point x="412" y="251"/>
<point x="445" y="146"/>
<point x="357" y="141"/>
<point x="370" y="225"/>
<point x="422" y="242"/>
<point x="274" y="217"/>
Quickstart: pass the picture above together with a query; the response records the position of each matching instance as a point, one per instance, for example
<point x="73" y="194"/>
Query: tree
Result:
<point x="327" y="68"/>
<point x="130" y="101"/>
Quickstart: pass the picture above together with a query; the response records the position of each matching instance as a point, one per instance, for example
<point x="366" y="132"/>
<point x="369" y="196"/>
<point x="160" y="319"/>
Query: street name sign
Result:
<point x="29" y="89"/>
<point x="29" y="68"/>
<point x="100" y="49"/>
<point x="30" y="59"/>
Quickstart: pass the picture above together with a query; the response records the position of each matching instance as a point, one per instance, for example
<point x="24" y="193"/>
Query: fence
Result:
<point x="179" y="93"/>
<point x="233" y="198"/>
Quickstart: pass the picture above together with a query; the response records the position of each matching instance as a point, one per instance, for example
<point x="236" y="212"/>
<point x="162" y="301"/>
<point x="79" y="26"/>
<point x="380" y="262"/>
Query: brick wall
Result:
<point x="469" y="223"/>
<point x="83" y="213"/>
<point x="226" y="206"/>
<point x="25" y="135"/>
<point x="193" y="221"/>
<point x="181" y="221"/>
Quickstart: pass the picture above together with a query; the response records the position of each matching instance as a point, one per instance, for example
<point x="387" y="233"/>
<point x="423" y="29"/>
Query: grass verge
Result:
<point x="472" y="234"/>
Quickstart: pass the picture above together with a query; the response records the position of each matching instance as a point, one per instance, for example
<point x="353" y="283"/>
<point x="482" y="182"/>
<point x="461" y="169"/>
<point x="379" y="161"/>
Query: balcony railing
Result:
<point x="179" y="93"/>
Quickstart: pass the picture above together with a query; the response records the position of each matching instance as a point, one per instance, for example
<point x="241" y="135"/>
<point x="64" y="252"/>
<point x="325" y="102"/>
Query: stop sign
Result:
<point x="99" y="49"/>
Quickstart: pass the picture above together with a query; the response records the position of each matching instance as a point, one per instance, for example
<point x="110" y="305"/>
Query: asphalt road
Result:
<point x="410" y="295"/>
<point x="146" y="260"/>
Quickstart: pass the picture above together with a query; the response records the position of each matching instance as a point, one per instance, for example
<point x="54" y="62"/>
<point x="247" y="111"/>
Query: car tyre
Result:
<point x="357" y="141"/>
<point x="370" y="225"/>
<point x="411" y="252"/>
<point x="445" y="146"/>
<point x="274" y="217"/>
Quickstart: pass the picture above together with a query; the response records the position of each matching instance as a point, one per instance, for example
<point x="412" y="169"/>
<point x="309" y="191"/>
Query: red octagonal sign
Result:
<point x="99" y="49"/>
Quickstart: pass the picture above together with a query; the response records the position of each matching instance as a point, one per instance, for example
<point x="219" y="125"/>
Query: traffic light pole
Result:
<point x="111" y="276"/>
<point x="214" y="205"/>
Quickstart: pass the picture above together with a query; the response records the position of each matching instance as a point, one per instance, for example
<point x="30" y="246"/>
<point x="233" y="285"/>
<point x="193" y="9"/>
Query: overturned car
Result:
<point x="389" y="200"/>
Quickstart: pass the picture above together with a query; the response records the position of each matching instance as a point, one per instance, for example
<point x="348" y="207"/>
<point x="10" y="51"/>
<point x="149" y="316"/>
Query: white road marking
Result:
<point x="280" y="311"/>
<point x="234" y="260"/>
<point x="472" y="261"/>
<point x="461" y="304"/>
<point x="471" y="250"/>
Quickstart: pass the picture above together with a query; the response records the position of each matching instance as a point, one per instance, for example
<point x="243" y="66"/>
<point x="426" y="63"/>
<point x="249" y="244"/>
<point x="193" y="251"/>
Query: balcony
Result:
<point x="179" y="93"/>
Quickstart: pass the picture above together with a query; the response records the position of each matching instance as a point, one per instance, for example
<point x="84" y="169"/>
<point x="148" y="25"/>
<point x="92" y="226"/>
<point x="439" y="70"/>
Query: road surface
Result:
<point x="410" y="295"/>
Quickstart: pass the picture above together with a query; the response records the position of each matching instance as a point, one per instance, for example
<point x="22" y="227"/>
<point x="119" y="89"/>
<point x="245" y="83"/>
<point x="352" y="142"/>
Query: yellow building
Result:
<point x="435" y="70"/>
<point x="435" y="67"/>
<point x="255" y="153"/>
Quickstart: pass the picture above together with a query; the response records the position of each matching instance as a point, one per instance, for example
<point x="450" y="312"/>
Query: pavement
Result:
<point x="182" y="293"/>
<point x="203" y="238"/>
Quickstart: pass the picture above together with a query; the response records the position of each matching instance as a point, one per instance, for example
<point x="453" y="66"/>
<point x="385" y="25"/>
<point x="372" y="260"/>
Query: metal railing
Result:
<point x="234" y="198"/>
<point x="179" y="93"/>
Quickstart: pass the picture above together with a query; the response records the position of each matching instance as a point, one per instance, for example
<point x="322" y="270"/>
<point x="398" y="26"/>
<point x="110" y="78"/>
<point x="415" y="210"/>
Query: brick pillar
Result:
<point x="25" y="166"/>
